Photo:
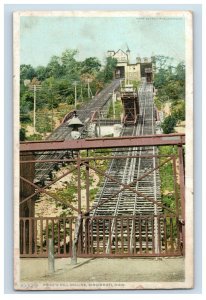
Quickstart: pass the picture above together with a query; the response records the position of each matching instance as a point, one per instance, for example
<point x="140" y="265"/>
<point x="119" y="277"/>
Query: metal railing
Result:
<point x="96" y="231"/>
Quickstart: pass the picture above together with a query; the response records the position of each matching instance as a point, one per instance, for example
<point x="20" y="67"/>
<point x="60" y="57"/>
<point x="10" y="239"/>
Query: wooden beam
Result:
<point x="99" y="143"/>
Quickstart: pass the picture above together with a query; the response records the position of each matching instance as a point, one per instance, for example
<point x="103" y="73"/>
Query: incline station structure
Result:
<point x="131" y="71"/>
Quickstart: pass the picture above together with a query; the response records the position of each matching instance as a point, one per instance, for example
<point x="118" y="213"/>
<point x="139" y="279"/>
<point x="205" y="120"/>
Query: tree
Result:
<point x="169" y="124"/>
<point x="57" y="84"/>
<point x="41" y="73"/>
<point x="170" y="82"/>
<point x="26" y="101"/>
<point x="88" y="79"/>
<point x="70" y="66"/>
<point x="54" y="68"/>
<point x="90" y="65"/>
<point x="109" y="68"/>
<point x="180" y="72"/>
<point x="49" y="94"/>
<point x="178" y="110"/>
<point x="161" y="62"/>
<point x="22" y="134"/>
<point x="26" y="72"/>
<point x="160" y="78"/>
<point x="174" y="90"/>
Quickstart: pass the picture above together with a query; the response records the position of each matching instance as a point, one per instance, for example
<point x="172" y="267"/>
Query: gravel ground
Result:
<point x="104" y="270"/>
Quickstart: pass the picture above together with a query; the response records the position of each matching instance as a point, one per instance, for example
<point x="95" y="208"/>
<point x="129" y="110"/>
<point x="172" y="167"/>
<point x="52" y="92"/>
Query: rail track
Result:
<point x="128" y="203"/>
<point x="43" y="171"/>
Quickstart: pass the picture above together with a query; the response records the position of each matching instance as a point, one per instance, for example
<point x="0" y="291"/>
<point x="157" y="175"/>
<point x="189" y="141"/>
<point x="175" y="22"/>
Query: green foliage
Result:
<point x="68" y="195"/>
<point x="92" y="194"/>
<point x="26" y="101"/>
<point x="161" y="62"/>
<point x="26" y="72"/>
<point x="157" y="103"/>
<point x="109" y="68"/>
<point x="160" y="78"/>
<point x="167" y="177"/>
<point x="41" y="73"/>
<point x="169" y="201"/>
<point x="172" y="90"/>
<point x="167" y="180"/>
<point x="170" y="82"/>
<point x="90" y="65"/>
<point x="180" y="72"/>
<point x="167" y="150"/>
<point x="178" y="110"/>
<point x="44" y="122"/>
<point x="34" y="137"/>
<point x="169" y="124"/>
<point x="22" y="134"/>
<point x="54" y="68"/>
<point x="25" y="119"/>
<point x="118" y="110"/>
<point x="71" y="67"/>
<point x="56" y="83"/>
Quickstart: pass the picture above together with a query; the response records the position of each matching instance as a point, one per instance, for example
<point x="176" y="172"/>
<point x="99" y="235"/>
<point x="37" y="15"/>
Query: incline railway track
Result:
<point x="127" y="203"/>
<point x="43" y="171"/>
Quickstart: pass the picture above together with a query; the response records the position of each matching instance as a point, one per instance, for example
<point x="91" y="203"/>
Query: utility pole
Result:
<point x="52" y="124"/>
<point x="88" y="88"/>
<point x="75" y="93"/>
<point x="34" y="118"/>
<point x="99" y="123"/>
<point x="34" y="87"/>
<point x="113" y="103"/>
<point x="81" y="95"/>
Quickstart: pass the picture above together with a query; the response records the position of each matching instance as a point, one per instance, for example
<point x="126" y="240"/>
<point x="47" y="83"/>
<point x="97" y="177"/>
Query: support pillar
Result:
<point x="76" y="238"/>
<point x="51" y="268"/>
<point x="79" y="182"/>
<point x="87" y="186"/>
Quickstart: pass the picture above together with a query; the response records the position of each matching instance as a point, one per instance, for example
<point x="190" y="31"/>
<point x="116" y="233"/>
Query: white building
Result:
<point x="127" y="70"/>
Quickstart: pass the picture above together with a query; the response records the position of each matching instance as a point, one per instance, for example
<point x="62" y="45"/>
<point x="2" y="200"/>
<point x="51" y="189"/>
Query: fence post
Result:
<point x="79" y="182"/>
<point x="51" y="268"/>
<point x="75" y="241"/>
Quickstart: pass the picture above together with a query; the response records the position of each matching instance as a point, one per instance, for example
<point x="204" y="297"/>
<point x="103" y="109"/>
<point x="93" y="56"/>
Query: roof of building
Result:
<point x="121" y="51"/>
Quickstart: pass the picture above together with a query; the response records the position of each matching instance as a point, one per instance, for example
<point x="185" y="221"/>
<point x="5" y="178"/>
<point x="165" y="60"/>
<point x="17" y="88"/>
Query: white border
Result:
<point x="188" y="283"/>
<point x="143" y="296"/>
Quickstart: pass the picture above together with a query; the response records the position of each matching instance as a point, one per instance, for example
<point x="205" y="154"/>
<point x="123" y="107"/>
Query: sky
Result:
<point x="43" y="37"/>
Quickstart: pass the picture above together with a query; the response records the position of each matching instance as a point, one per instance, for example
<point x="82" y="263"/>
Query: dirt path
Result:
<point x="180" y="128"/>
<point x="167" y="108"/>
<point x="103" y="270"/>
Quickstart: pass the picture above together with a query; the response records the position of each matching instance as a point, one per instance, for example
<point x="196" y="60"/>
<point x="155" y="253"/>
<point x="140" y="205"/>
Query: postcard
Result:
<point x="103" y="150"/>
